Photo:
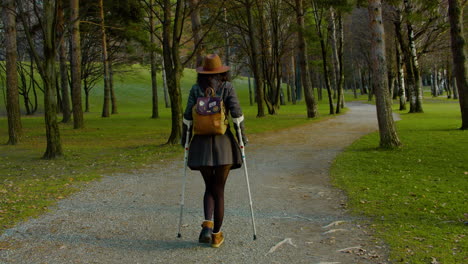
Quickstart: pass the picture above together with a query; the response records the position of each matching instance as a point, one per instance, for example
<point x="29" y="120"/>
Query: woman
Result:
<point x="214" y="155"/>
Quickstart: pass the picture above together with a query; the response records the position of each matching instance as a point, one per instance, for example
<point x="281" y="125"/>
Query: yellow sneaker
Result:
<point x="217" y="239"/>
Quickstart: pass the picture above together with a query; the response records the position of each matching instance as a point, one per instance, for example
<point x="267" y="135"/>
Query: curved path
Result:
<point x="132" y="218"/>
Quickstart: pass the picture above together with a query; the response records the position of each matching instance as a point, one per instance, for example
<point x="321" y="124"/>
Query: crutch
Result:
<point x="238" y="121"/>
<point x="188" y="123"/>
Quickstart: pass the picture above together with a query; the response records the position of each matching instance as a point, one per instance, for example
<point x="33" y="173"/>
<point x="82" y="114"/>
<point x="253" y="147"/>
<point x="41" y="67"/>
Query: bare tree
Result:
<point x="459" y="57"/>
<point x="172" y="19"/>
<point x="154" y="84"/>
<point x="75" y="65"/>
<point x="318" y="17"/>
<point x="196" y="29"/>
<point x="302" y="50"/>
<point x="254" y="53"/>
<point x="66" y="111"/>
<point x="12" y="94"/>
<point x="105" y="62"/>
<point x="388" y="135"/>
<point x="46" y="67"/>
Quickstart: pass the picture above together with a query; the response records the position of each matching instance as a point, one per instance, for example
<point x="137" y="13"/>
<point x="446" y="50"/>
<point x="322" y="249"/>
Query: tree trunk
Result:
<point x="227" y="44"/>
<point x="75" y="65"/>
<point x="459" y="58"/>
<point x="293" y="81"/>
<point x="449" y="79"/>
<point x="434" y="83"/>
<point x="86" y="89"/>
<point x="54" y="146"/>
<point x="335" y="61"/>
<point x="166" y="92"/>
<point x="57" y="90"/>
<point x="154" y="84"/>
<point x="196" y="26"/>
<point x="258" y="76"/>
<point x="66" y="113"/>
<point x="172" y="65"/>
<point x="417" y="92"/>
<point x="105" y="61"/>
<point x="308" y="92"/>
<point x="326" y="76"/>
<point x="12" y="103"/>
<point x="400" y="77"/>
<point x="33" y="83"/>
<point x="250" y="91"/>
<point x="112" y="90"/>
<point x="388" y="135"/>
<point x="340" y="103"/>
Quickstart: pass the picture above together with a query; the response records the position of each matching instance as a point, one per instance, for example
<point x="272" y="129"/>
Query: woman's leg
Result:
<point x="217" y="190"/>
<point x="208" y="199"/>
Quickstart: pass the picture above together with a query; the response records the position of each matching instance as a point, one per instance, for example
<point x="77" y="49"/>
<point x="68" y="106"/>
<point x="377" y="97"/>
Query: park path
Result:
<point x="133" y="217"/>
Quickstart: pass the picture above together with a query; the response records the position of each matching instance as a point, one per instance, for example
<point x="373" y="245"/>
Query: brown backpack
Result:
<point x="209" y="114"/>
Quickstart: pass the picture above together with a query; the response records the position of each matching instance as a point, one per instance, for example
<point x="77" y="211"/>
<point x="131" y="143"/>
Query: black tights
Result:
<point x="213" y="200"/>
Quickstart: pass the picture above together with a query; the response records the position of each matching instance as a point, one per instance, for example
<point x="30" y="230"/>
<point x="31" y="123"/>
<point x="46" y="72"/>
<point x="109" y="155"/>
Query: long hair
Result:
<point x="204" y="80"/>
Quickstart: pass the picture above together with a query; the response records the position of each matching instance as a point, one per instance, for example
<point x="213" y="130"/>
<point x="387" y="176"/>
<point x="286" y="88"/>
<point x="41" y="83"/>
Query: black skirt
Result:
<point x="215" y="150"/>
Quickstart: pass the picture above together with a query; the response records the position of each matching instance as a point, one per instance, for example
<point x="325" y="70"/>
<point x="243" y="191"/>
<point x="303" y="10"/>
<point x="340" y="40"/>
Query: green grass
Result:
<point x="416" y="195"/>
<point x="124" y="142"/>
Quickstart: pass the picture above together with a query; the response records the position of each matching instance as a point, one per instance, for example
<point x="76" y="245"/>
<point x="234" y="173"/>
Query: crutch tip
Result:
<point x="179" y="235"/>
<point x="255" y="237"/>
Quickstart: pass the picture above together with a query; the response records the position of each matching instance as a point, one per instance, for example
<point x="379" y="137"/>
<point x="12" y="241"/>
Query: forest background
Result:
<point x="107" y="80"/>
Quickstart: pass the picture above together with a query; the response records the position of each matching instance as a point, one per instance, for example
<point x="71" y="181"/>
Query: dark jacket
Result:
<point x="214" y="150"/>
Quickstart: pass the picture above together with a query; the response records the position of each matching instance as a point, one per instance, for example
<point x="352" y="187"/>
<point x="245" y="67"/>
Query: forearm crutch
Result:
<point x="238" y="121"/>
<point x="188" y="123"/>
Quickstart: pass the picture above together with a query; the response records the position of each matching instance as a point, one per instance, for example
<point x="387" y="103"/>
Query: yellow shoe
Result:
<point x="217" y="239"/>
<point x="207" y="230"/>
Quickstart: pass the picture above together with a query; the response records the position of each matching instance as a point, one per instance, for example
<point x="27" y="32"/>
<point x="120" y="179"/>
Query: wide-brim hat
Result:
<point x="212" y="64"/>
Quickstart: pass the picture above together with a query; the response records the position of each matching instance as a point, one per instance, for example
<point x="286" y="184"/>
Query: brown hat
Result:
<point x="212" y="64"/>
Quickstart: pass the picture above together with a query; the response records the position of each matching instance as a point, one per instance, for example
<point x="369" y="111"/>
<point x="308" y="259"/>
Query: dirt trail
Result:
<point x="132" y="218"/>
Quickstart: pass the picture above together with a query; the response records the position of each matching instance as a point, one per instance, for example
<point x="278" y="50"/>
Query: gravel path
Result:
<point x="133" y="217"/>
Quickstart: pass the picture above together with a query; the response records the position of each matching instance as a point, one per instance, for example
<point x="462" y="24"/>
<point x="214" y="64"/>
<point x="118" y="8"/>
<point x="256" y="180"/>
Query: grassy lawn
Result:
<point x="124" y="142"/>
<point x="416" y="196"/>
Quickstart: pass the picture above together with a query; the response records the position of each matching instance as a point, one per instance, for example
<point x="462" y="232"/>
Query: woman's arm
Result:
<point x="192" y="100"/>
<point x="232" y="102"/>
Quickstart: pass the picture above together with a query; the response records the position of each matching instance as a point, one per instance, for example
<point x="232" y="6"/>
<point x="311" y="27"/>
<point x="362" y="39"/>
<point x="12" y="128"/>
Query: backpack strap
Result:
<point x="222" y="90"/>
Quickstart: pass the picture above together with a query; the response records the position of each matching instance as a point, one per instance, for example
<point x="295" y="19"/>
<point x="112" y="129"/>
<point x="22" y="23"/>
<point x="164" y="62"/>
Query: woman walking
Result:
<point x="214" y="155"/>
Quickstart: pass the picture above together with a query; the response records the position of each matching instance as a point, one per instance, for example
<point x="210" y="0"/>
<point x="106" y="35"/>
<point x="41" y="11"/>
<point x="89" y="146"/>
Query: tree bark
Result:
<point x="416" y="95"/>
<point x="400" y="77"/>
<point x="196" y="26"/>
<point x="75" y="65"/>
<point x="388" y="135"/>
<point x="258" y="76"/>
<point x="112" y="90"/>
<point x="172" y="65"/>
<point x="293" y="81"/>
<point x="154" y="84"/>
<point x="326" y="75"/>
<point x="459" y="58"/>
<point x="54" y="146"/>
<point x="340" y="103"/>
<point x="105" y="61"/>
<point x="13" y="105"/>
<point x="308" y="92"/>
<point x="334" y="50"/>
<point x="166" y="92"/>
<point x="66" y="112"/>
